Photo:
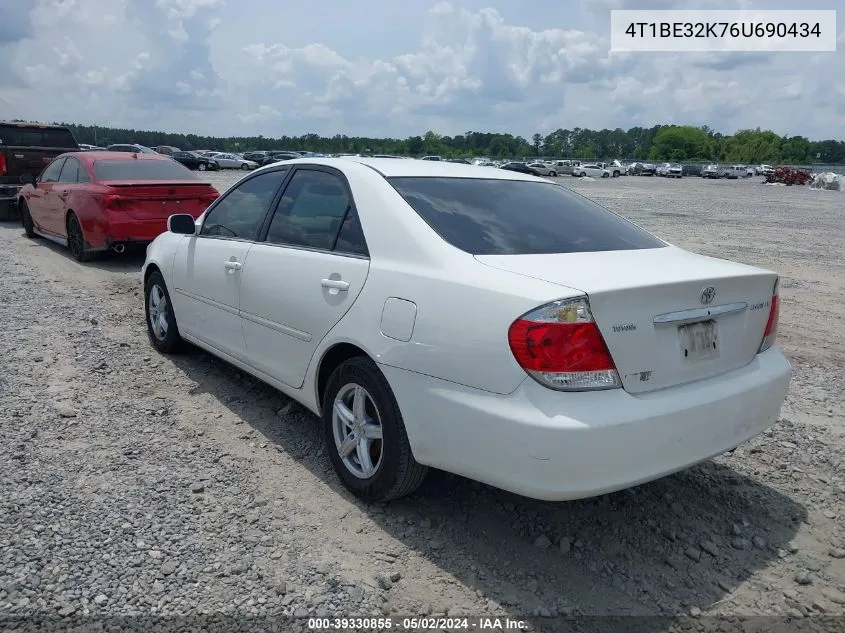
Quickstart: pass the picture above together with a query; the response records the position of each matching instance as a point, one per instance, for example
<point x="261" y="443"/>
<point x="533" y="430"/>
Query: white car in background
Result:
<point x="231" y="161"/>
<point x="594" y="171"/>
<point x="663" y="169"/>
<point x="674" y="171"/>
<point x="476" y="320"/>
<point x="544" y="169"/>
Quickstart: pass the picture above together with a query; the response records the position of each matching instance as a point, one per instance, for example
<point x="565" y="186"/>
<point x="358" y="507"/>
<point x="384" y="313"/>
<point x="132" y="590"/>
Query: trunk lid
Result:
<point x="650" y="308"/>
<point x="158" y="199"/>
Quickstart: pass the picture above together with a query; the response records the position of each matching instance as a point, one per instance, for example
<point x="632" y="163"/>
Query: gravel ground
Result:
<point x="137" y="484"/>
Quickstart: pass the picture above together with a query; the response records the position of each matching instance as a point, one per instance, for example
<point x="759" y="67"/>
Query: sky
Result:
<point x="394" y="68"/>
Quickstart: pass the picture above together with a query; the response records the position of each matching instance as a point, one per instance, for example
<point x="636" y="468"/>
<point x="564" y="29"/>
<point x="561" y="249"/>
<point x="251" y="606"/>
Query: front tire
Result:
<point x="244" y="166"/>
<point x="26" y="219"/>
<point x="201" y="167"/>
<point x="76" y="240"/>
<point x="553" y="174"/>
<point x="365" y="435"/>
<point x="161" y="321"/>
<point x="605" y="175"/>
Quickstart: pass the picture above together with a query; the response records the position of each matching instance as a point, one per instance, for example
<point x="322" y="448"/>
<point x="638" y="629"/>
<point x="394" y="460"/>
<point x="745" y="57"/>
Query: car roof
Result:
<point x="397" y="168"/>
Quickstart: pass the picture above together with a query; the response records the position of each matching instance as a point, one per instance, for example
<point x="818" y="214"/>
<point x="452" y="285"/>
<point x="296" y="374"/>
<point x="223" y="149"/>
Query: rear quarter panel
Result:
<point x="460" y="333"/>
<point x="83" y="202"/>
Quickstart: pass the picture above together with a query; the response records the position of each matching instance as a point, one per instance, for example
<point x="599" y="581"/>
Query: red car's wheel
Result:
<point x="26" y="219"/>
<point x="76" y="240"/>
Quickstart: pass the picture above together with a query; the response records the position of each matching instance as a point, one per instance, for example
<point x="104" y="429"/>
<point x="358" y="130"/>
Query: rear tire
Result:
<point x="26" y="219"/>
<point x="161" y="320"/>
<point x="76" y="240"/>
<point x="378" y="465"/>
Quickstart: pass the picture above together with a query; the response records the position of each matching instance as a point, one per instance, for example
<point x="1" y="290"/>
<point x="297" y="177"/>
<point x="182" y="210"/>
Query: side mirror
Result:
<point x="28" y="179"/>
<point x="181" y="224"/>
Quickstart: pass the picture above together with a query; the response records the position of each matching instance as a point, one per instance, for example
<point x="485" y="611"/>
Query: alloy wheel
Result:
<point x="357" y="429"/>
<point x="75" y="240"/>
<point x="158" y="311"/>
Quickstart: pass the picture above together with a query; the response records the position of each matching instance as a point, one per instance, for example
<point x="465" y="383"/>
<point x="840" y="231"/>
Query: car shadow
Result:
<point x="129" y="261"/>
<point x="657" y="550"/>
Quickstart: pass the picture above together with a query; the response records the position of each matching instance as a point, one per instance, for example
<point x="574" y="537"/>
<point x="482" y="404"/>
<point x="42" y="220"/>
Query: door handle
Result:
<point x="63" y="195"/>
<point x="232" y="265"/>
<point x="335" y="284"/>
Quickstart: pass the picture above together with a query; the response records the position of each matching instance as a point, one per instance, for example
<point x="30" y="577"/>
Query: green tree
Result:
<point x="537" y="140"/>
<point x="674" y="143"/>
<point x="679" y="143"/>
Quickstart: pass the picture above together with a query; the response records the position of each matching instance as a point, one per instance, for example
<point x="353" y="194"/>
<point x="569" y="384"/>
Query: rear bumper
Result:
<point x="121" y="229"/>
<point x="556" y="446"/>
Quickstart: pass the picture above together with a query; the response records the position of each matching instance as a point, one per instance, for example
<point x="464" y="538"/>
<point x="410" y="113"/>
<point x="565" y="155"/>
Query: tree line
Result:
<point x="657" y="143"/>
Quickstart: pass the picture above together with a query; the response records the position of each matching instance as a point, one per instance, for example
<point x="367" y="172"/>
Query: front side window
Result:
<point x="515" y="217"/>
<point x="311" y="211"/>
<point x="51" y="174"/>
<point x="239" y="213"/>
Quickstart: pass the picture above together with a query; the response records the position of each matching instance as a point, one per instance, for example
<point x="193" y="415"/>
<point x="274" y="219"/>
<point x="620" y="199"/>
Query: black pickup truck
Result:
<point x="26" y="148"/>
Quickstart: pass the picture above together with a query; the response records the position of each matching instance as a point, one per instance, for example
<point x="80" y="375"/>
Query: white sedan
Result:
<point x="594" y="171"/>
<point x="476" y="320"/>
<point x="230" y="161"/>
<point x="543" y="169"/>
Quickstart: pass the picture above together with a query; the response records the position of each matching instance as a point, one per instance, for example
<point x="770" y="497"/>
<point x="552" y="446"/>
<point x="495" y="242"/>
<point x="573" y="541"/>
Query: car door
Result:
<point x="227" y="161"/>
<point x="207" y="268"/>
<point x="303" y="274"/>
<point x="67" y="185"/>
<point x="186" y="159"/>
<point x="44" y="201"/>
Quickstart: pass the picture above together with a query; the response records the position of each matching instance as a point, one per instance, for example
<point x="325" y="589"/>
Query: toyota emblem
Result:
<point x="708" y="294"/>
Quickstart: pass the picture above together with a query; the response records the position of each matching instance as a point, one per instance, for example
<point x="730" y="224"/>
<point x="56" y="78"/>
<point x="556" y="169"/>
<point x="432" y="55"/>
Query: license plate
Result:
<point x="699" y="341"/>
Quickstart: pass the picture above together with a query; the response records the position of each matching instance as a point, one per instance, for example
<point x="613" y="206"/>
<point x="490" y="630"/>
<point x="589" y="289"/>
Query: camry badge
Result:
<point x="708" y="294"/>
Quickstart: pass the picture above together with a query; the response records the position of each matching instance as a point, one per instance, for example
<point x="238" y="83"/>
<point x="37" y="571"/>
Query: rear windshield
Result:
<point x="36" y="137"/>
<point x="135" y="169"/>
<point x="511" y="217"/>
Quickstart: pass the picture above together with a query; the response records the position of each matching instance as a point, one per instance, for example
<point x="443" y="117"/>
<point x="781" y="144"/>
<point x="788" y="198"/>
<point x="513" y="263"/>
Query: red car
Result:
<point x="96" y="201"/>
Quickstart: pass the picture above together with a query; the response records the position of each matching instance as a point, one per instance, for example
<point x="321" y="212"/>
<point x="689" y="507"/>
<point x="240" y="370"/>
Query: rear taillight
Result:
<point x="771" y="331"/>
<point x="561" y="347"/>
<point x="114" y="202"/>
<point x="2" y="164"/>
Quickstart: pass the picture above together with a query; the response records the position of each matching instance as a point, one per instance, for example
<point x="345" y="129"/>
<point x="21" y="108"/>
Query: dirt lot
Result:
<point x="134" y="483"/>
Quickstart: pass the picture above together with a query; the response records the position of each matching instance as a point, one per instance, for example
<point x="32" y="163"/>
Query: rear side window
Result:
<point x="512" y="217"/>
<point x="70" y="171"/>
<point x="36" y="137"/>
<point x="142" y="169"/>
<point x="310" y="211"/>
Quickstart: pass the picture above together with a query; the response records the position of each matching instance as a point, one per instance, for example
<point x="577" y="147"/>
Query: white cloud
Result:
<point x="252" y="67"/>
